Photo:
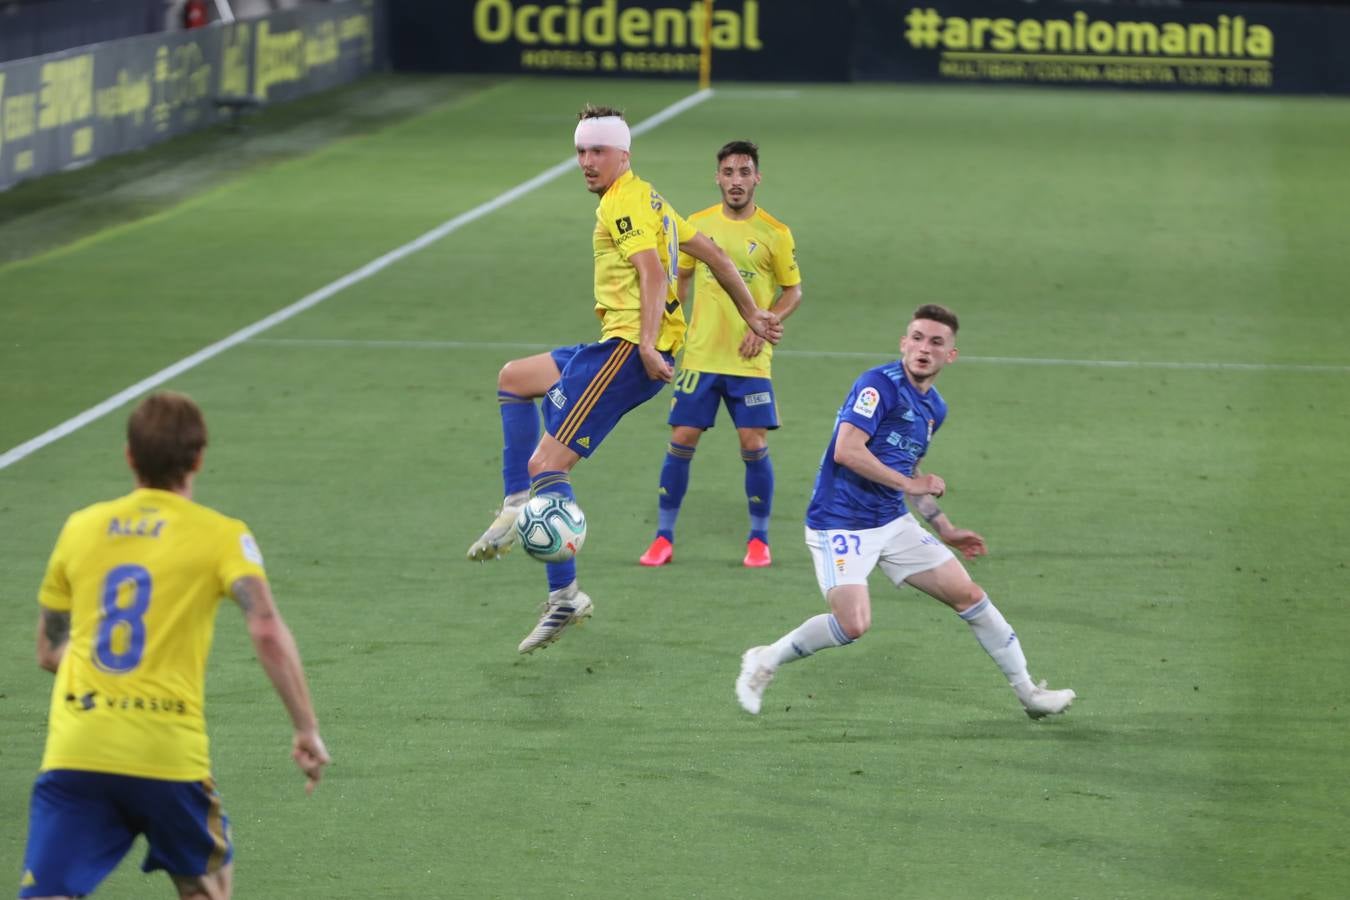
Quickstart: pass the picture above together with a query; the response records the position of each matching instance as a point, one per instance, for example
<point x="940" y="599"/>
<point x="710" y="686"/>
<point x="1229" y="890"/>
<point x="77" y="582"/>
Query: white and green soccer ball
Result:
<point x="551" y="528"/>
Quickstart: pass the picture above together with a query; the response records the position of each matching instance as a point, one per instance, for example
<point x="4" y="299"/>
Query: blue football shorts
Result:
<point x="81" y="825"/>
<point x="600" y="383"/>
<point x="749" y="400"/>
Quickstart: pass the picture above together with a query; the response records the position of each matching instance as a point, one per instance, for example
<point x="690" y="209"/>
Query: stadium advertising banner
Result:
<point x="71" y="108"/>
<point x="1209" y="46"/>
<point x="751" y="39"/>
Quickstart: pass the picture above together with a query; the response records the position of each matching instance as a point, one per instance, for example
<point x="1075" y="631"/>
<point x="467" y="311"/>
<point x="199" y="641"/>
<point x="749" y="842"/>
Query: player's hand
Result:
<point x="310" y="754"/>
<point x="767" y="325"/>
<point x="927" y="484"/>
<point x="751" y="345"/>
<point x="968" y="542"/>
<point x="655" y="364"/>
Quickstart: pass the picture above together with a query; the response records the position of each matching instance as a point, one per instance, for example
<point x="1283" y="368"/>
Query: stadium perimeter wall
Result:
<point x="70" y="108"/>
<point x="1180" y="45"/>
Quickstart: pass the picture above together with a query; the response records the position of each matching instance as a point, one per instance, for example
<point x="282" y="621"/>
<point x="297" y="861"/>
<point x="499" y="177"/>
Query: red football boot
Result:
<point x="660" y="552"/>
<point x="757" y="554"/>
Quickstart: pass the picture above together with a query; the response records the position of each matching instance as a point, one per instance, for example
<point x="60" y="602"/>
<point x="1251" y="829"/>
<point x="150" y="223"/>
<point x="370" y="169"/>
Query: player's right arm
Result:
<point x="652" y="285"/>
<point x="850" y="451"/>
<point x="762" y="322"/>
<point x="280" y="659"/>
<point x="54" y="599"/>
<point x="53" y="635"/>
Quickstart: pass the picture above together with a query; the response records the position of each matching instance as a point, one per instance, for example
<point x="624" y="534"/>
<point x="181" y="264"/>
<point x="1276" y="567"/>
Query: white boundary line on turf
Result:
<point x="829" y="354"/>
<point x="94" y="413"/>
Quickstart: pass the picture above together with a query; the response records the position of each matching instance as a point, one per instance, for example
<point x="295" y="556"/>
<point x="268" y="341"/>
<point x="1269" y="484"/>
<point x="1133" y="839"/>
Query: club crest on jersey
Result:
<point x="557" y="397"/>
<point x="866" y="404"/>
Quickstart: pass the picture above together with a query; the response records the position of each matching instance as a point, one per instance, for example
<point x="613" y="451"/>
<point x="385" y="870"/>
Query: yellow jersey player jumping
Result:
<point x="724" y="362"/>
<point x="128" y="609"/>
<point x="587" y="388"/>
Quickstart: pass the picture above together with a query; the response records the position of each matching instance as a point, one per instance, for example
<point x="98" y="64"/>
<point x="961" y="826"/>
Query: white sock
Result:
<point x="817" y="633"/>
<point x="999" y="641"/>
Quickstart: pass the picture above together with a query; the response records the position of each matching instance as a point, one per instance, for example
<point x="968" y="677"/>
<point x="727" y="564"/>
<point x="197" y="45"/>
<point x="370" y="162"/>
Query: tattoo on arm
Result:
<point x="55" y="627"/>
<point x="927" y="507"/>
<point x="245" y="593"/>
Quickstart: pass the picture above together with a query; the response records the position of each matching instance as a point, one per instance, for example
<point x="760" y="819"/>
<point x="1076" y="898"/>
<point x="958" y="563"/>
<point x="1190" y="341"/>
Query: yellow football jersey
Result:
<point x="763" y="251"/>
<point x="141" y="577"/>
<point x="632" y="217"/>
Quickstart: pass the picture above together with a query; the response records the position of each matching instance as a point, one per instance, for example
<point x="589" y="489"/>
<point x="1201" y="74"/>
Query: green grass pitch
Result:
<point x="1166" y="506"/>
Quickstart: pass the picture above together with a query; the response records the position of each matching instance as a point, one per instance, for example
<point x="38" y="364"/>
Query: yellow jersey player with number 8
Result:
<point x="128" y="610"/>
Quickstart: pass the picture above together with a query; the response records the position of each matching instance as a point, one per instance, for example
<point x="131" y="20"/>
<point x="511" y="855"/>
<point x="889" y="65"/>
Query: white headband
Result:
<point x="603" y="131"/>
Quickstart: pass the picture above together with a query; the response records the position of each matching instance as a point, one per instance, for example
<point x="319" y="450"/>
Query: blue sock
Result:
<point x="758" y="491"/>
<point x="674" y="484"/>
<point x="560" y="575"/>
<point x="520" y="435"/>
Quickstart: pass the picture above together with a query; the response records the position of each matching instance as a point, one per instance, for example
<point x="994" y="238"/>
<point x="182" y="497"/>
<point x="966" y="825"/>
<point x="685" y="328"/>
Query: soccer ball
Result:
<point x="551" y="528"/>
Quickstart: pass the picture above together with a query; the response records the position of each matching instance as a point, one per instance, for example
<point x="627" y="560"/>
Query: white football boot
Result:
<point x="756" y="673"/>
<point x="1039" y="701"/>
<point x="562" y="608"/>
<point x="501" y="534"/>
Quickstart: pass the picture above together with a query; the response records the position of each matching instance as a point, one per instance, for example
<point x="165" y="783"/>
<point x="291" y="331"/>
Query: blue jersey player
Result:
<point x="859" y="519"/>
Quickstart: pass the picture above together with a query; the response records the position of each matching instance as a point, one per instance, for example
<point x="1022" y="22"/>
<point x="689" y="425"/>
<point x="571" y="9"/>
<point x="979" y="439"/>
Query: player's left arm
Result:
<point x="53" y="636"/>
<point x="761" y="321"/>
<point x="968" y="542"/>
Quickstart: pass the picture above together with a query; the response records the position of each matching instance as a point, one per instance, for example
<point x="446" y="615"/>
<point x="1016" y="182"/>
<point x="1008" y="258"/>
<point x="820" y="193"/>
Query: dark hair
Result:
<point x="591" y="111"/>
<point x="935" y="313"/>
<point x="739" y="148"/>
<point x="166" y="434"/>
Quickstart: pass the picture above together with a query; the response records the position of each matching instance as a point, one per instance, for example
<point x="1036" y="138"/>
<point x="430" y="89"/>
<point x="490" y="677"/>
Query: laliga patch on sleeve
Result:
<point x="249" y="547"/>
<point x="624" y="224"/>
<point x="866" y="404"/>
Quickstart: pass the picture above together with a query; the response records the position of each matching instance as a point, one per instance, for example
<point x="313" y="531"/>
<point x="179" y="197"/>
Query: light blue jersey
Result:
<point x="901" y="422"/>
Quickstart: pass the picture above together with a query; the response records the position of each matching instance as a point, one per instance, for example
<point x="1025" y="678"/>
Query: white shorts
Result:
<point x="902" y="548"/>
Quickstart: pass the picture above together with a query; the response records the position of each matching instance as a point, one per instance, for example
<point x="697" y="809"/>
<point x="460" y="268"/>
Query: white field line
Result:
<point x="830" y="354"/>
<point x="94" y="413"/>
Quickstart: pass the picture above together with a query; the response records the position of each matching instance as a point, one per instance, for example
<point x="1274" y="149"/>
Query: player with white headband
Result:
<point x="637" y="241"/>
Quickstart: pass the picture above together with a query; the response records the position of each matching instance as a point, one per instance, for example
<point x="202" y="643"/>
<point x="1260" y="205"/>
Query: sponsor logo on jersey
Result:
<point x="557" y="397"/>
<point x="758" y="399"/>
<point x="866" y="404"/>
<point x="584" y="442"/>
<point x="908" y="415"/>
<point x="751" y="247"/>
<point x="930" y="430"/>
